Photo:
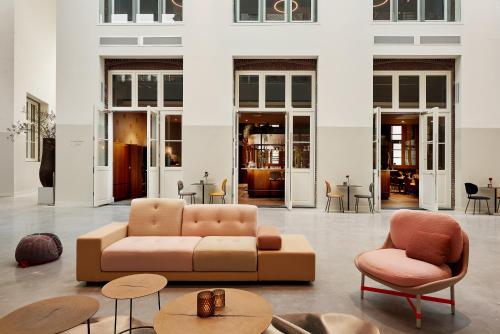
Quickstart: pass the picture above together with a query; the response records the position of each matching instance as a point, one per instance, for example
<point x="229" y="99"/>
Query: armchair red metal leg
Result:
<point x="418" y="313"/>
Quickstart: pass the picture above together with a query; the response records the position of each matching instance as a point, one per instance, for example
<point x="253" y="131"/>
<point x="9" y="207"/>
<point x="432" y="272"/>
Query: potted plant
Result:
<point x="46" y="131"/>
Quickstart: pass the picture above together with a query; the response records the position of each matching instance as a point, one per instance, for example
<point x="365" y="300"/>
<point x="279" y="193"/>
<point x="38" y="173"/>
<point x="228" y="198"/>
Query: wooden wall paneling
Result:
<point x="121" y="174"/>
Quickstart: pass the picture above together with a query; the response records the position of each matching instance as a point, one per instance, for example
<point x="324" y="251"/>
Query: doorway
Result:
<point x="129" y="156"/>
<point x="400" y="150"/>
<point x="262" y="154"/>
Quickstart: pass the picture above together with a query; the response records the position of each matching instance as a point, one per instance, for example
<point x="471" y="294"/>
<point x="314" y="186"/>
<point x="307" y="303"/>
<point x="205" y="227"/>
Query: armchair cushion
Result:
<point x="393" y="266"/>
<point x="429" y="247"/>
<point x="268" y="238"/>
<point x="405" y="223"/>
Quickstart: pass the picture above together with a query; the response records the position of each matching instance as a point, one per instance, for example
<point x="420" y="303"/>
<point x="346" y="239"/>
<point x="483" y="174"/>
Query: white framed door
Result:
<point x="103" y="157"/>
<point x="444" y="166"/>
<point x="236" y="152"/>
<point x="153" y="169"/>
<point x="377" y="135"/>
<point x="288" y="160"/>
<point x="429" y="135"/>
<point x="170" y="153"/>
<point x="302" y="159"/>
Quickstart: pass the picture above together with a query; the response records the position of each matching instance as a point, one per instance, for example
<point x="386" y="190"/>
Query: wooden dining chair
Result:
<point x="330" y="195"/>
<point x="221" y="194"/>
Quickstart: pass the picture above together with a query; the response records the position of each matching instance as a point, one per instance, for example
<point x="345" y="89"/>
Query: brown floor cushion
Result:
<point x="38" y="249"/>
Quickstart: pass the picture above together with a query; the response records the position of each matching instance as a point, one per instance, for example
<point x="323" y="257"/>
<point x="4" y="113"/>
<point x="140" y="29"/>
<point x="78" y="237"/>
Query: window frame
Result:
<point x="422" y="88"/>
<point x="288" y="90"/>
<point x="394" y="17"/>
<point x="135" y="89"/>
<point x="288" y="15"/>
<point x="104" y="19"/>
<point x="32" y="155"/>
<point x="165" y="141"/>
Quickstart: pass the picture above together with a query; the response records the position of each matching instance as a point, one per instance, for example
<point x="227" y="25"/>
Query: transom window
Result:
<point x="138" y="90"/>
<point x="416" y="10"/>
<point x="275" y="91"/>
<point x="412" y="90"/>
<point x="275" y="10"/>
<point x="141" y="11"/>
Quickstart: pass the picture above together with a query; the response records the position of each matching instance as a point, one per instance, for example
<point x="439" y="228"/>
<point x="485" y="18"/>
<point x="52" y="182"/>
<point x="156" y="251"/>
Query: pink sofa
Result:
<point x="193" y="243"/>
<point x="423" y="253"/>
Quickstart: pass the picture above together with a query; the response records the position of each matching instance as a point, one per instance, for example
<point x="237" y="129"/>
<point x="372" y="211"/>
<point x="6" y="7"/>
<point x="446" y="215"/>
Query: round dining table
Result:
<point x="348" y="186"/>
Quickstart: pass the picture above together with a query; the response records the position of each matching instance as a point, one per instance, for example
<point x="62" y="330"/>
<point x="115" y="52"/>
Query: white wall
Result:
<point x="35" y="68"/>
<point x="6" y="95"/>
<point x="342" y="41"/>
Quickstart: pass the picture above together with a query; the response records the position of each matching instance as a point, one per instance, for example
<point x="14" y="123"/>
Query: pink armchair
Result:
<point x="423" y="253"/>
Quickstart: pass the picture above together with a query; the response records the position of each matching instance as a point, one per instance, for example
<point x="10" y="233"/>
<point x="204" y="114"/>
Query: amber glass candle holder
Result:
<point x="205" y="304"/>
<point x="220" y="299"/>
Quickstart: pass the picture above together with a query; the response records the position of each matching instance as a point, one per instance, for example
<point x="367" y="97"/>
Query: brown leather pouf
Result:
<point x="38" y="249"/>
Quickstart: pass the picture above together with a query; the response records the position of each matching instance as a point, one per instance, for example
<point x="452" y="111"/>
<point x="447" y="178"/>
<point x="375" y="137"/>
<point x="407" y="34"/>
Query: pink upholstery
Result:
<point x="268" y="238"/>
<point x="429" y="247"/>
<point x="155" y="217"/>
<point x="220" y="220"/>
<point x="393" y="266"/>
<point x="150" y="254"/>
<point x="405" y="223"/>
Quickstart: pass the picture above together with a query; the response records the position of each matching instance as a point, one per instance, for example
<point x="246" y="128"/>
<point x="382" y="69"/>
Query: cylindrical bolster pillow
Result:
<point x="268" y="238"/>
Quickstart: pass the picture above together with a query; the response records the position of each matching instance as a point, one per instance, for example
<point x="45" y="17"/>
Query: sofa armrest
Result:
<point x="89" y="248"/>
<point x="268" y="238"/>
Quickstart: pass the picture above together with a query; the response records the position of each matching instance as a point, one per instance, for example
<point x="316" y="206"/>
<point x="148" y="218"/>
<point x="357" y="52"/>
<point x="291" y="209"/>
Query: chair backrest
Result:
<point x="370" y="188"/>
<point x="274" y="176"/>
<point x="328" y="188"/>
<point x="471" y="189"/>
<point x="180" y="186"/>
<point x="155" y="217"/>
<point x="405" y="223"/>
<point x="219" y="220"/>
<point x="223" y="186"/>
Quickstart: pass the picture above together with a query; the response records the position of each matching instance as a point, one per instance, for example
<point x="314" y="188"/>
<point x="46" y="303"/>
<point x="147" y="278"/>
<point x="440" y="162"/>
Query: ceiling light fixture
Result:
<point x="383" y="3"/>
<point x="295" y="6"/>
<point x="174" y="2"/>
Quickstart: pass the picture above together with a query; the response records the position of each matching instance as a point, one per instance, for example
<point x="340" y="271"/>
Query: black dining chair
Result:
<point x="180" y="187"/>
<point x="368" y="197"/>
<point x="472" y="190"/>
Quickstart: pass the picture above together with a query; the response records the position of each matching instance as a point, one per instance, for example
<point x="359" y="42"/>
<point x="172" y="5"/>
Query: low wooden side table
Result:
<point x="131" y="287"/>
<point x="50" y="316"/>
<point x="245" y="313"/>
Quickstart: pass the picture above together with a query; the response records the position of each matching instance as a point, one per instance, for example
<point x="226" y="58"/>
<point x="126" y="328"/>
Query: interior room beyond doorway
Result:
<point x="129" y="156"/>
<point x="400" y="161"/>
<point x="262" y="154"/>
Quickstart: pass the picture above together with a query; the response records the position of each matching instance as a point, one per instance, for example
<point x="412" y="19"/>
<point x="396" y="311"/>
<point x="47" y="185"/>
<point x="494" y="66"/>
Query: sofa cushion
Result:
<point x="405" y="223"/>
<point x="150" y="254"/>
<point x="268" y="238"/>
<point x="155" y="217"/>
<point x="219" y="220"/>
<point x="226" y="254"/>
<point x="429" y="247"/>
<point x="393" y="266"/>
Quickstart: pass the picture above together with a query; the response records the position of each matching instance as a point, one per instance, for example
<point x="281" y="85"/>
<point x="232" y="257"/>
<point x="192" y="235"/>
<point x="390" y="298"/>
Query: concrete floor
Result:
<point x="337" y="238"/>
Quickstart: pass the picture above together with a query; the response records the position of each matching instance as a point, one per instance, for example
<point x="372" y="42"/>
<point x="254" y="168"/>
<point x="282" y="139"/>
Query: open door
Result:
<point x="377" y="130"/>
<point x="153" y="170"/>
<point x="103" y="157"/>
<point x="236" y="147"/>
<point x="288" y="160"/>
<point x="429" y="136"/>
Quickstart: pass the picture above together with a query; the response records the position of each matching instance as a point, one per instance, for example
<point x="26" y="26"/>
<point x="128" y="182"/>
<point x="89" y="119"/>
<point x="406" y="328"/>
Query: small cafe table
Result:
<point x="245" y="313"/>
<point x="495" y="198"/>
<point x="348" y="186"/>
<point x="202" y="185"/>
<point x="51" y="316"/>
<point x="132" y="287"/>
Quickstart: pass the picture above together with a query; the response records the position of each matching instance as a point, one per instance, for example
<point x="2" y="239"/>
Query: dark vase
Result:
<point x="48" y="163"/>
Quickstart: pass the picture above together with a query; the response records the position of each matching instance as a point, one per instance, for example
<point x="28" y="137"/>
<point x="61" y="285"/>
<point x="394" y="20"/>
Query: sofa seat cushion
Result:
<point x="150" y="254"/>
<point x="226" y="254"/>
<point x="393" y="266"/>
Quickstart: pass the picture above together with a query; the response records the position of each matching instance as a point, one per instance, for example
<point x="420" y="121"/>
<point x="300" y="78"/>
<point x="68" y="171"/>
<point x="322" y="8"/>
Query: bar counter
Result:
<point x="262" y="185"/>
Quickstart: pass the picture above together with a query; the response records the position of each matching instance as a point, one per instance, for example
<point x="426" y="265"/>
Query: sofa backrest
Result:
<point x="155" y="217"/>
<point x="219" y="220"/>
<point x="405" y="223"/>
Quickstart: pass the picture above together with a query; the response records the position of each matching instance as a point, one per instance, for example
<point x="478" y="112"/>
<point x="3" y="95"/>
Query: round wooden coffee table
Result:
<point x="50" y="316"/>
<point x="131" y="287"/>
<point x="245" y="313"/>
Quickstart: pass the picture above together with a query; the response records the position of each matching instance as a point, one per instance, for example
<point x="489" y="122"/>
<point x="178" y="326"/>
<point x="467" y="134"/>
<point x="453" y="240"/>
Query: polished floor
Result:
<point x="398" y="200"/>
<point x="337" y="239"/>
